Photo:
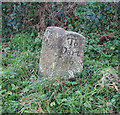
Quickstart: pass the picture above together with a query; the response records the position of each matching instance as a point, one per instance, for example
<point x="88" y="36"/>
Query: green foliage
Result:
<point x="18" y="63"/>
<point x="23" y="91"/>
<point x="17" y="17"/>
<point x="59" y="97"/>
<point x="93" y="17"/>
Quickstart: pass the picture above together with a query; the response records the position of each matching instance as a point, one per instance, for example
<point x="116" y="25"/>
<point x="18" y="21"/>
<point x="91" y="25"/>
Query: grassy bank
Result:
<point x="24" y="91"/>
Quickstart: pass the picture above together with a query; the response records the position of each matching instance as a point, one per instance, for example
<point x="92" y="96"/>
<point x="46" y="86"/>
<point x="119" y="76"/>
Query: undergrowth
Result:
<point x="23" y="91"/>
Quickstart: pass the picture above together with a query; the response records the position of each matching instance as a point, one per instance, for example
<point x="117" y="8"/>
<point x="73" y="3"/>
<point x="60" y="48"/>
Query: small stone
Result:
<point x="62" y="53"/>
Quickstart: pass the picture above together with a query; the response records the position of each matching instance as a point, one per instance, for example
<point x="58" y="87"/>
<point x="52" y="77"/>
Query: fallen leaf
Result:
<point x="115" y="87"/>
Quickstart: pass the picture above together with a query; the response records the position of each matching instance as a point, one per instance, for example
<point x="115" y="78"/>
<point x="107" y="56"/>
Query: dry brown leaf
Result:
<point x="115" y="87"/>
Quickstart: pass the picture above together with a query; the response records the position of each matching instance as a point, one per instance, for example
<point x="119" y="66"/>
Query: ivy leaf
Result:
<point x="109" y="104"/>
<point x="14" y="87"/>
<point x="87" y="105"/>
<point x="52" y="104"/>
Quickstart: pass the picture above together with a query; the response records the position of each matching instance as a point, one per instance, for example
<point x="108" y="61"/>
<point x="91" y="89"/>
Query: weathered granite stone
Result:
<point x="62" y="53"/>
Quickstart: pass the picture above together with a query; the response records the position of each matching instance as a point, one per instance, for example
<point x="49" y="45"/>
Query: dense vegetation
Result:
<point x="24" y="91"/>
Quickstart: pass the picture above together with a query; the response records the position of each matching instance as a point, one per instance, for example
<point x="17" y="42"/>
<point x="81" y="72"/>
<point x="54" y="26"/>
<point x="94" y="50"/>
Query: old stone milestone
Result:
<point x="62" y="53"/>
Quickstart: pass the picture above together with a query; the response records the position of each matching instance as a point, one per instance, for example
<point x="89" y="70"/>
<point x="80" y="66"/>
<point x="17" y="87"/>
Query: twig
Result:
<point x="40" y="108"/>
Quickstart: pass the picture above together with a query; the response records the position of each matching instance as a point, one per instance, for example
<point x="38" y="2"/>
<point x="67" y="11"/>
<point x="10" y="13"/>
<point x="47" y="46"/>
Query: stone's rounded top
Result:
<point x="66" y="32"/>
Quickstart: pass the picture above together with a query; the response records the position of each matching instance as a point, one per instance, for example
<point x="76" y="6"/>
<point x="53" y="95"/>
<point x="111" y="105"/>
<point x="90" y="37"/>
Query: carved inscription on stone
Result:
<point x="47" y="39"/>
<point x="62" y="53"/>
<point x="71" y="47"/>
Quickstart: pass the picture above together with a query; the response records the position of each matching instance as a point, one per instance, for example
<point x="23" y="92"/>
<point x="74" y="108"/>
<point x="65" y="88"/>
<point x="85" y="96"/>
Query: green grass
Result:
<point x="24" y="91"/>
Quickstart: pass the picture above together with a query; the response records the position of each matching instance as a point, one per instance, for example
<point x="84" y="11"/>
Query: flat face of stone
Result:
<point x="62" y="53"/>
